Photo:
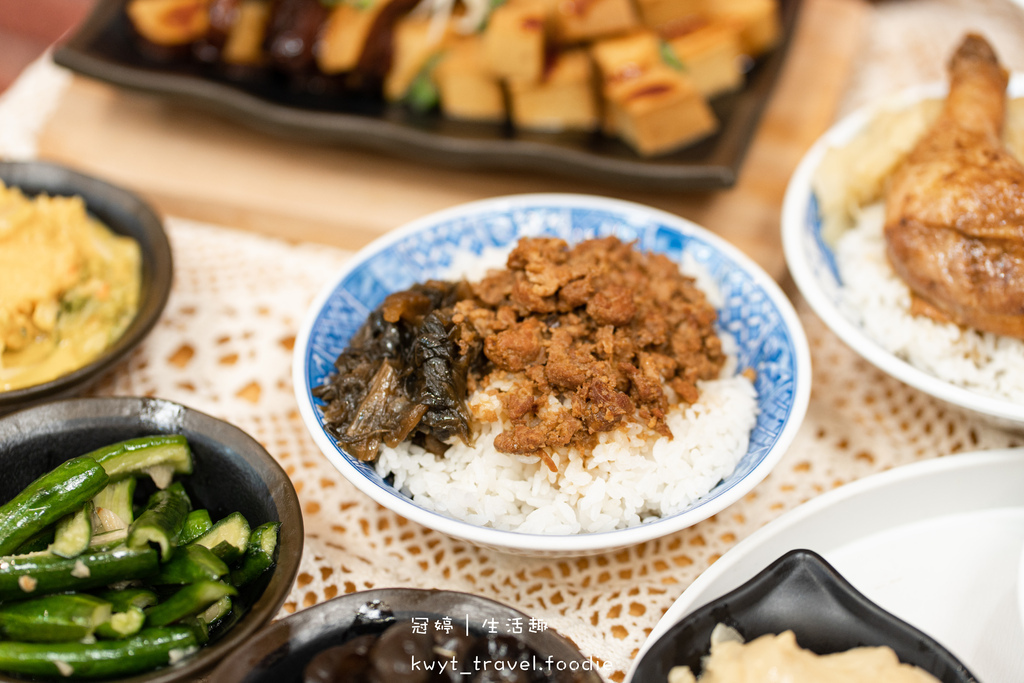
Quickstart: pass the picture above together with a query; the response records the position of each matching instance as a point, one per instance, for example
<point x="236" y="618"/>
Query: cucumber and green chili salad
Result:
<point x="197" y="523"/>
<point x="138" y="456"/>
<point x="54" y="618"/>
<point x="73" y="533"/>
<point x="228" y="538"/>
<point x="151" y="648"/>
<point x="122" y="624"/>
<point x="98" y="580"/>
<point x="114" y="505"/>
<point x="190" y="564"/>
<point x="161" y="521"/>
<point x="29" y="576"/>
<point x="55" y="494"/>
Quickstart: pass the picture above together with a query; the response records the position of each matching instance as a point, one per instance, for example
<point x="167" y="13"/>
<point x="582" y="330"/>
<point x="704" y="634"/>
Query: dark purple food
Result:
<point x="345" y="663"/>
<point x="379" y="50"/>
<point x="399" y="653"/>
<point x="403" y="375"/>
<point x="294" y="27"/>
<point x="223" y="15"/>
<point x="409" y="653"/>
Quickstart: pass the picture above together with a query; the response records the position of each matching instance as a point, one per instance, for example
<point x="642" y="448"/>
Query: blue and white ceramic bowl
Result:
<point x="756" y="312"/>
<point x="812" y="264"/>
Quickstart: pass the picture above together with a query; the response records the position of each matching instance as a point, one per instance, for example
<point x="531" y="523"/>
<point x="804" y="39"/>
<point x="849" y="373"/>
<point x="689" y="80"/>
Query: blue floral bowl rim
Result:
<point x="555" y="544"/>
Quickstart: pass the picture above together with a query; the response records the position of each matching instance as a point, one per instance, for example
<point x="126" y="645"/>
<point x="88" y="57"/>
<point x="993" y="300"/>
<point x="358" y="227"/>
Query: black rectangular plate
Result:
<point x="105" y="48"/>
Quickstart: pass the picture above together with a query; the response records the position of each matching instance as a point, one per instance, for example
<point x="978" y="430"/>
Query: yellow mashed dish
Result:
<point x="69" y="287"/>
<point x="779" y="659"/>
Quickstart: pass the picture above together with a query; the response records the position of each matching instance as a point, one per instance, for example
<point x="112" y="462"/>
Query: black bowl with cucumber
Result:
<point x="139" y="540"/>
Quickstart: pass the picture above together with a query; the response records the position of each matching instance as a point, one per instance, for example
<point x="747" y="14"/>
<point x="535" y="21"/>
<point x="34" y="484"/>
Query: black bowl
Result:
<point x="125" y="214"/>
<point x="803" y="593"/>
<point x="281" y="652"/>
<point x="232" y="472"/>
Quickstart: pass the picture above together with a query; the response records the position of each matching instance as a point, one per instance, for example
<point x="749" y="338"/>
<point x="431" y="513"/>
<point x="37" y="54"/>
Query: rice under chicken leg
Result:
<point x="954" y="220"/>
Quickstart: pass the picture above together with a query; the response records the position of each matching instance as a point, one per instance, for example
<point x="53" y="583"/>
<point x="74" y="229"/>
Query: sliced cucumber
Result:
<point x="114" y="505"/>
<point x="34" y="575"/>
<point x="259" y="556"/>
<point x="150" y="649"/>
<point x="228" y="539"/>
<point x="188" y="602"/>
<point x="197" y="523"/>
<point x="161" y="521"/>
<point x="136" y="457"/>
<point x="108" y="539"/>
<point x="189" y="564"/>
<point x="127" y="598"/>
<point x="53" y="495"/>
<point x="54" y="618"/>
<point x="122" y="624"/>
<point x="199" y="627"/>
<point x="216" y="612"/>
<point x="73" y="533"/>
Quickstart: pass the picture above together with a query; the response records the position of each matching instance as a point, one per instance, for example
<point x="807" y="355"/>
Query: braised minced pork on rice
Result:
<point x="876" y="297"/>
<point x="632" y="476"/>
<point x="575" y="390"/>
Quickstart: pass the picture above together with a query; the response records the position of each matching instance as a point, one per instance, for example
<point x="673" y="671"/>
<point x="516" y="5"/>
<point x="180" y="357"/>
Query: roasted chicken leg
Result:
<point x="954" y="222"/>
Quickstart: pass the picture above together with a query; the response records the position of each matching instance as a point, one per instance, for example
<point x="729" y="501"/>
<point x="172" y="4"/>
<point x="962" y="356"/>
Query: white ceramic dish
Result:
<point x="812" y="264"/>
<point x="936" y="543"/>
<point x="756" y="312"/>
<point x="1020" y="588"/>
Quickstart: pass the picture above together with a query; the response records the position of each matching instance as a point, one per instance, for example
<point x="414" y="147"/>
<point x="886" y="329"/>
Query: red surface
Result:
<point x="28" y="27"/>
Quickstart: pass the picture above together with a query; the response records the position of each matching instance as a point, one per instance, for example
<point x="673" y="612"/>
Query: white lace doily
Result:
<point x="224" y="346"/>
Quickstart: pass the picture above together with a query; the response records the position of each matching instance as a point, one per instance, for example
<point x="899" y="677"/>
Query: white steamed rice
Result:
<point x="631" y="477"/>
<point x="876" y="298"/>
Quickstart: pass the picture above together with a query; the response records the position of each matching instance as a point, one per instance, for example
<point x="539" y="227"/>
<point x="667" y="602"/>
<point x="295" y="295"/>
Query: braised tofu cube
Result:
<point x="514" y="39"/>
<point x="710" y="56"/>
<point x="758" y="21"/>
<point x="467" y="88"/>
<point x="659" y="112"/>
<point x="576" y="21"/>
<point x="244" y="44"/>
<point x="658" y="14"/>
<point x="653" y="106"/>
<point x="416" y="40"/>
<point x="344" y="35"/>
<point x="170" y="22"/>
<point x="564" y="99"/>
<point x="619" y="59"/>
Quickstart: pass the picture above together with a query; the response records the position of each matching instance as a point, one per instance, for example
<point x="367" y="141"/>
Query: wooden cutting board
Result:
<point x="192" y="164"/>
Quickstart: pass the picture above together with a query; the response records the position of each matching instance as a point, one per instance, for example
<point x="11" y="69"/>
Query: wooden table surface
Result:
<point x="192" y="164"/>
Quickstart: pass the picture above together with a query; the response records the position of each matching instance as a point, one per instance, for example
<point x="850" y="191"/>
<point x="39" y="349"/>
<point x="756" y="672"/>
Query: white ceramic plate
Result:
<point x="812" y="263"/>
<point x="936" y="543"/>
<point x="1020" y="588"/>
